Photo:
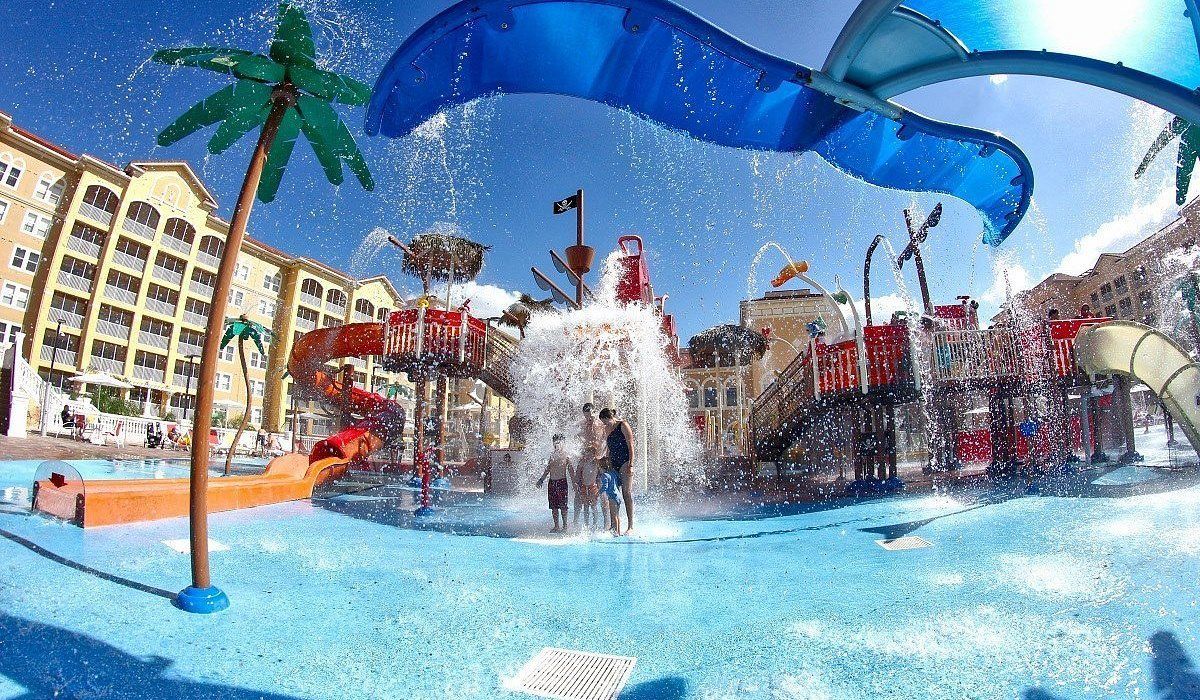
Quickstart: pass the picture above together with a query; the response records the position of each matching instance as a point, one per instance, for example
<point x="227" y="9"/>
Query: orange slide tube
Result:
<point x="287" y="478"/>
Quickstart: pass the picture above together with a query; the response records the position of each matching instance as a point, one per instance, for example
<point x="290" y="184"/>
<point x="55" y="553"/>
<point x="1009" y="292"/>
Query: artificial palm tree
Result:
<point x="243" y="329"/>
<point x="282" y="94"/>
<point x="1185" y="161"/>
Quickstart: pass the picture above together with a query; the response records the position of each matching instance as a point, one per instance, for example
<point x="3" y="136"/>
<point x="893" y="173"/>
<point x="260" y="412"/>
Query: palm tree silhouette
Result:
<point x="282" y="94"/>
<point x="1185" y="161"/>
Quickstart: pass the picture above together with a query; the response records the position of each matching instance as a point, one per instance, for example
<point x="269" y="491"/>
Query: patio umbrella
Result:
<point x="100" y="379"/>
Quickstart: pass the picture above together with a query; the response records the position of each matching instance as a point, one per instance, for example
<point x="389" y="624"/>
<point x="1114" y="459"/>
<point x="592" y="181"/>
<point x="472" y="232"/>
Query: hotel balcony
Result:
<point x="65" y="358"/>
<point x="333" y="308"/>
<point x="208" y="259"/>
<point x="161" y="307"/>
<point x="80" y="245"/>
<point x="148" y="374"/>
<point x="130" y="261"/>
<point x="138" y="229"/>
<point x="202" y="290"/>
<point x="107" y="364"/>
<point x="181" y="381"/>
<point x="68" y="318"/>
<point x="311" y="300"/>
<point x="96" y="214"/>
<point x="169" y="276"/>
<point x="72" y="281"/>
<point x="176" y="245"/>
<point x="154" y="340"/>
<point x="305" y="324"/>
<point x="360" y="317"/>
<point x="112" y="330"/>
<point x="120" y="294"/>
<point x="187" y="349"/>
<point x="195" y="319"/>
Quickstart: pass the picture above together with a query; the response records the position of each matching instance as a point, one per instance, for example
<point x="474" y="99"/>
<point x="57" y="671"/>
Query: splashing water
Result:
<point x="367" y="254"/>
<point x="613" y="355"/>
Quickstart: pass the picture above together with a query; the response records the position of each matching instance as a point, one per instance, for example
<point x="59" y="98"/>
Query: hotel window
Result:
<point x="14" y="296"/>
<point x="236" y="298"/>
<point x="101" y="198"/>
<point x="1110" y="311"/>
<point x="693" y="397"/>
<point x="256" y="416"/>
<point x="3" y="210"/>
<point x="1126" y="306"/>
<point x="36" y="224"/>
<point x="1145" y="298"/>
<point x="258" y="361"/>
<point x="25" y="259"/>
<point x="1106" y="291"/>
<point x="1095" y="298"/>
<point x="10" y="170"/>
<point x="1139" y="277"/>
<point x="108" y="351"/>
<point x="144" y="214"/>
<point x="271" y="283"/>
<point x="1121" y="285"/>
<point x="227" y="353"/>
<point x="731" y="395"/>
<point x="224" y="381"/>
<point x="710" y="397"/>
<point x="49" y="189"/>
<point x="266" y="307"/>
<point x="241" y="271"/>
<point x="257" y="387"/>
<point x="8" y="332"/>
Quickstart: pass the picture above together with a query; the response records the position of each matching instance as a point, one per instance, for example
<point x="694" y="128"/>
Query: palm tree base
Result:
<point x="202" y="600"/>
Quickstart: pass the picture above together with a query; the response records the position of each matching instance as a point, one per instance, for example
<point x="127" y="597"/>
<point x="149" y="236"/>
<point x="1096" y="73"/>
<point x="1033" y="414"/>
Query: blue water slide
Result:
<point x="665" y="64"/>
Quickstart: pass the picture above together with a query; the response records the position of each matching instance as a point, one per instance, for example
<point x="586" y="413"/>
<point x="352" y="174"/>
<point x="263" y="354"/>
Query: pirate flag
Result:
<point x="566" y="205"/>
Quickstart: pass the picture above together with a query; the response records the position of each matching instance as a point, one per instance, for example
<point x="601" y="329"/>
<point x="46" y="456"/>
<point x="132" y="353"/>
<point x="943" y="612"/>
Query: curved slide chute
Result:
<point x="1151" y="357"/>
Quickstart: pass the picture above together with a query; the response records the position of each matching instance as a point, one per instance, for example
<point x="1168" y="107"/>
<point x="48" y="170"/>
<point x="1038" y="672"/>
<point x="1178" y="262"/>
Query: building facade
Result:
<point x="112" y="270"/>
<point x="720" y="395"/>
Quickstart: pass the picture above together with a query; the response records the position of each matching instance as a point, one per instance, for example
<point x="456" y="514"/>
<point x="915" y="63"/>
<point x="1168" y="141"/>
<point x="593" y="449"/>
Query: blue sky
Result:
<point x="75" y="72"/>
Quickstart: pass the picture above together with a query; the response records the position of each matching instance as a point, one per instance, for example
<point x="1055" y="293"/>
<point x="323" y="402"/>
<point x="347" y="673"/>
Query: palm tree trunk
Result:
<point x="237" y="437"/>
<point x="198" y="495"/>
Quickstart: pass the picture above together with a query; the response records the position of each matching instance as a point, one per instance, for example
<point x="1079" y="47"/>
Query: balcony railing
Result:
<point x="165" y="275"/>
<point x="195" y="319"/>
<point x="121" y="294"/>
<point x="208" y="259"/>
<point x="95" y="213"/>
<point x="138" y="228"/>
<point x="187" y="349"/>
<point x="112" y="330"/>
<point x="181" y="381"/>
<point x="130" y="261"/>
<point x="154" y="340"/>
<point x="338" y="309"/>
<point x="306" y="325"/>
<point x="176" y="245"/>
<point x="148" y="374"/>
<point x="73" y="281"/>
<point x="65" y="358"/>
<point x="310" y="299"/>
<point x="161" y="307"/>
<point x="360" y="317"/>
<point x="86" y="247"/>
<point x="202" y="290"/>
<point x="107" y="364"/>
<point x="70" y="319"/>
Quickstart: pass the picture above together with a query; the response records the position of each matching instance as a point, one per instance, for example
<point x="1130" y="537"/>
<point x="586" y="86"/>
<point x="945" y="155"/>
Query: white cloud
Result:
<point x="883" y="307"/>
<point x="1008" y="276"/>
<point x="487" y="300"/>
<point x="1121" y="232"/>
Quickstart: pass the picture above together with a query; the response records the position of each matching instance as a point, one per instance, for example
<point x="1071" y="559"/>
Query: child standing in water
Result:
<point x="556" y="470"/>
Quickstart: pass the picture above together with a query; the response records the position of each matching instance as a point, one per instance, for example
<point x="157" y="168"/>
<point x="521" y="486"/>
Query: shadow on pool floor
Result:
<point x="1173" y="676"/>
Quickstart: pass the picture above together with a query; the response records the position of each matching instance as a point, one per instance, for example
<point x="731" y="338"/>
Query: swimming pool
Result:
<point x="1092" y="595"/>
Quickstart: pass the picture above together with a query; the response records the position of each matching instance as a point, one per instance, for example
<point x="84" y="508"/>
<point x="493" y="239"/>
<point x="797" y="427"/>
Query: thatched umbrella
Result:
<point x="443" y="257"/>
<point x="726" y="345"/>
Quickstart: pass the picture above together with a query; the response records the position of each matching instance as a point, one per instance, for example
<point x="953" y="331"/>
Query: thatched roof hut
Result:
<point x="444" y="257"/>
<point x="726" y="345"/>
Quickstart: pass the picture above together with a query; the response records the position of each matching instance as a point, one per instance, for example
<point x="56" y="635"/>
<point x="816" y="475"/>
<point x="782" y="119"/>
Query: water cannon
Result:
<point x="789" y="272"/>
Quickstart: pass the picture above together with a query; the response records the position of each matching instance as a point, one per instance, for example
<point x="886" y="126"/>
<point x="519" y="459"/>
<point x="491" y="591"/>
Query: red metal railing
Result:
<point x="434" y="336"/>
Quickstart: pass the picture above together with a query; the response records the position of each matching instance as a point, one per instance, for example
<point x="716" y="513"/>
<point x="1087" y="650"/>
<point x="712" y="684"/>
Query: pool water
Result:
<point x="1091" y="595"/>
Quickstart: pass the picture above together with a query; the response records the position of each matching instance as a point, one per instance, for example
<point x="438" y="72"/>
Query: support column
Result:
<point x="1121" y="389"/>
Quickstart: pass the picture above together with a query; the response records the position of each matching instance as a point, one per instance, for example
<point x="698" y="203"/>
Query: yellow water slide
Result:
<point x="1151" y="357"/>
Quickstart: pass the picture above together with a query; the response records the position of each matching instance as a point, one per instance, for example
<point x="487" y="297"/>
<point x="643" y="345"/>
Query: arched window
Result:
<point x="142" y="219"/>
<point x="170" y="194"/>
<point x="364" y="307"/>
<point x="99" y="204"/>
<point x="382" y="314"/>
<point x="731" y="395"/>
<point x="692" y="392"/>
<point x="181" y="232"/>
<point x="10" y="170"/>
<point x="50" y="188"/>
<point x="213" y="247"/>
<point x="313" y="290"/>
<point x="336" y="298"/>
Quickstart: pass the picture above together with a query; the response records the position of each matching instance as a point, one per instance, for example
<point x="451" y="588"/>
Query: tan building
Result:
<point x="721" y="388"/>
<point x="126" y="260"/>
<point x="1128" y="285"/>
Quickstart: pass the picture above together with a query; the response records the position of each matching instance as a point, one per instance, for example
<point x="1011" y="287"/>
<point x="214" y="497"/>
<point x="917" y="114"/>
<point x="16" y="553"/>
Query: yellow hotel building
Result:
<point x="126" y="259"/>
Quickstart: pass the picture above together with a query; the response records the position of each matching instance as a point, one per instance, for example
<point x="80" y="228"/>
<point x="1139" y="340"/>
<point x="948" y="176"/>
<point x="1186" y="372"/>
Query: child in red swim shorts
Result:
<point x="557" y="469"/>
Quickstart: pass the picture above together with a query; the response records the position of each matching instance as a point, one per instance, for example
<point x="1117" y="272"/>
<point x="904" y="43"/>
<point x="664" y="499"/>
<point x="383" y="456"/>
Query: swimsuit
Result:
<point x="610" y="486"/>
<point x="618" y="448"/>
<point x="557" y="494"/>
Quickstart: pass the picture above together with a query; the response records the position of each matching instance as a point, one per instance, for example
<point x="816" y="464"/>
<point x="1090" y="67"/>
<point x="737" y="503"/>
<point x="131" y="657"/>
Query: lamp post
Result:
<point x="53" y="361"/>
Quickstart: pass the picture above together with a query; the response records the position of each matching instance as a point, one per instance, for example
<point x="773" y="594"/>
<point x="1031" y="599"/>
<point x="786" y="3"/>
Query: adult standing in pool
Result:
<point x="587" y="470"/>
<point x="620" y="458"/>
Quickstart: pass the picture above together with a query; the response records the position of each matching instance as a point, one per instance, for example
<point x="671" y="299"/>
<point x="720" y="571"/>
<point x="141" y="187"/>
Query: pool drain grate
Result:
<point x="574" y="675"/>
<point x="901" y="544"/>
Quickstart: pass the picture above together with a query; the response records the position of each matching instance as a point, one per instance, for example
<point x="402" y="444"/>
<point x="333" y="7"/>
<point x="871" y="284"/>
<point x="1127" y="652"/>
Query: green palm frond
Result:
<point x="1185" y="160"/>
<point x="244" y="329"/>
<point x="289" y="73"/>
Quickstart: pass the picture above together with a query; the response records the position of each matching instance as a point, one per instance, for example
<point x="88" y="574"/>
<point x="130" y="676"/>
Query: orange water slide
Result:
<point x="291" y="477"/>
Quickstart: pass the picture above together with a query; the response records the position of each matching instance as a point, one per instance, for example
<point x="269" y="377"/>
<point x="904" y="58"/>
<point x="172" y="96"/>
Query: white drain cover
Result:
<point x="574" y="675"/>
<point x="902" y="543"/>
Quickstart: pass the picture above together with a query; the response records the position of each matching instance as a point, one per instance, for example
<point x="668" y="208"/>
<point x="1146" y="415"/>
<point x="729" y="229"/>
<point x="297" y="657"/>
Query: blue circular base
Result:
<point x="1130" y="458"/>
<point x="202" y="600"/>
<point x="424" y="511"/>
<point x="893" y="484"/>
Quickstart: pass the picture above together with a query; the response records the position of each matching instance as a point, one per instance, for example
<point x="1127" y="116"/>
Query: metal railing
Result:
<point x="154" y="340"/>
<point x="69" y="319"/>
<point x="305" y="325"/>
<point x="360" y="317"/>
<point x="65" y="358"/>
<point x="176" y="245"/>
<point x="170" y="276"/>
<point x="972" y="355"/>
<point x="80" y="245"/>
<point x="160" y="307"/>
<point x="205" y="291"/>
<point x="339" y="309"/>
<point x="208" y="259"/>
<point x="112" y="330"/>
<point x="138" y="228"/>
<point x="187" y="349"/>
<point x="132" y="262"/>
<point x="95" y="213"/>
<point x="148" y="374"/>
<point x="73" y="281"/>
<point x="107" y="364"/>
<point x="181" y="380"/>
<point x="121" y="294"/>
<point x="195" y="319"/>
<point x="311" y="300"/>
